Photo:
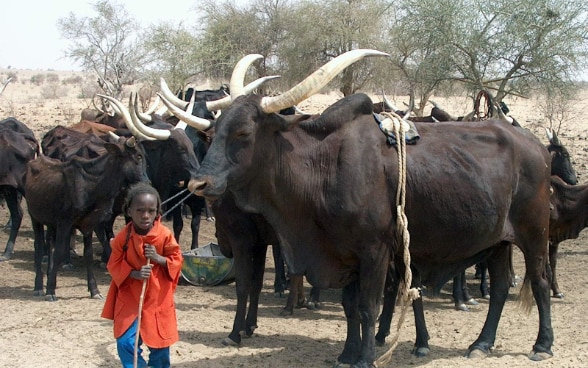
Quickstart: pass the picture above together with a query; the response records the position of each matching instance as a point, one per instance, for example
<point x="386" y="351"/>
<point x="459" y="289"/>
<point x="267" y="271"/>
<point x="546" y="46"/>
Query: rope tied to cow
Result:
<point x="407" y="294"/>
<point x="177" y="204"/>
<point x="487" y="113"/>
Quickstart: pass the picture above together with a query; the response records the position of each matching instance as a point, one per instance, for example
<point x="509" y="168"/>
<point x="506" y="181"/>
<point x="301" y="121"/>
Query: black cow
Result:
<point x="170" y="157"/>
<point x="328" y="187"/>
<point x="245" y="237"/>
<point x="114" y="119"/>
<point x="77" y="194"/>
<point x="18" y="146"/>
<point x="204" y="95"/>
<point x="203" y="106"/>
<point x="569" y="216"/>
<point x="561" y="166"/>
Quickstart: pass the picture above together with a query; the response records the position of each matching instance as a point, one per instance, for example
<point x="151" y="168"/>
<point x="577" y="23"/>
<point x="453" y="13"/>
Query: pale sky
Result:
<point x="29" y="38"/>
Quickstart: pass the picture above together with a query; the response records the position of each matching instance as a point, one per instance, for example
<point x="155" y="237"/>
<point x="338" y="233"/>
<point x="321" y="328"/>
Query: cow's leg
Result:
<point x="314" y="299"/>
<point x="421" y="344"/>
<point x="540" y="286"/>
<point x="458" y="296"/>
<point x="461" y="295"/>
<point x="13" y="199"/>
<point x="197" y="205"/>
<point x="177" y="222"/>
<point x="89" y="260"/>
<point x="390" y="295"/>
<point x="208" y="212"/>
<point x="63" y="235"/>
<point x="499" y="274"/>
<point x="361" y="304"/>
<point x="484" y="288"/>
<point x="350" y="301"/>
<point x="280" y="282"/>
<point x="553" y="248"/>
<point x="295" y="296"/>
<point x="104" y="234"/>
<point x="258" y="261"/>
<point x="40" y="251"/>
<point x="247" y="278"/>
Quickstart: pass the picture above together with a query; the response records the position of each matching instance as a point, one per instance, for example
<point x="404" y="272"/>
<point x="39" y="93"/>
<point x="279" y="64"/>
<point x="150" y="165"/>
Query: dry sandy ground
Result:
<point x="70" y="333"/>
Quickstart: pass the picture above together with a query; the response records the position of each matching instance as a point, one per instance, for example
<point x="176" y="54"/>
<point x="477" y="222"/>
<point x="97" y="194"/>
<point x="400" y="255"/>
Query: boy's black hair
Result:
<point x="140" y="188"/>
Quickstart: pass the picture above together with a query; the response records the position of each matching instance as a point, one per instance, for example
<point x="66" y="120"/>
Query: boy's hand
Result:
<point x="143" y="273"/>
<point x="151" y="253"/>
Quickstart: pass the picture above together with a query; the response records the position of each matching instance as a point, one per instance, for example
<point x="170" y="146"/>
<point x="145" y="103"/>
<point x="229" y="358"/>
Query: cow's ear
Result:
<point x="113" y="149"/>
<point x="290" y="121"/>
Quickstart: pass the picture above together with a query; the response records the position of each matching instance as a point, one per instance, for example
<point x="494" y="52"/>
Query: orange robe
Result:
<point x="159" y="327"/>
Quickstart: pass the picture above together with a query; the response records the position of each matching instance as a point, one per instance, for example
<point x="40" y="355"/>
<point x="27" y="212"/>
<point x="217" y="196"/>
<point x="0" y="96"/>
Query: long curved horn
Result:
<point x="211" y="105"/>
<point x="410" y="106"/>
<point x="501" y="114"/>
<point x="194" y="121"/>
<point x="141" y="115"/>
<point x="160" y="134"/>
<point x="226" y="101"/>
<point x="313" y="83"/>
<point x="128" y="120"/>
<point x="5" y="84"/>
<point x="236" y="86"/>
<point x="168" y="94"/>
<point x="389" y="104"/>
<point x="153" y="106"/>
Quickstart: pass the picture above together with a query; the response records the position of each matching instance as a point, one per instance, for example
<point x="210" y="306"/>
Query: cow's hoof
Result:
<point x="4" y="258"/>
<point x="558" y="295"/>
<point x="38" y="293"/>
<point x="462" y="307"/>
<point x="229" y="342"/>
<point x="420" y="352"/>
<point x="68" y="266"/>
<point x="472" y="301"/>
<point x="539" y="356"/>
<point x="97" y="296"/>
<point x="51" y="297"/>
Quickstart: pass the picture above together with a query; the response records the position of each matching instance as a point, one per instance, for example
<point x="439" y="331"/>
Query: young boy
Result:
<point x="144" y="238"/>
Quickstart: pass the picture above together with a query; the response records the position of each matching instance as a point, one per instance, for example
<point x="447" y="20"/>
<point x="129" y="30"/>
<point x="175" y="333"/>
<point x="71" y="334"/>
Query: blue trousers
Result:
<point x="125" y="345"/>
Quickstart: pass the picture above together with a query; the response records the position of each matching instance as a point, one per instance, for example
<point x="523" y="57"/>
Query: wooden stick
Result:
<point x="142" y="297"/>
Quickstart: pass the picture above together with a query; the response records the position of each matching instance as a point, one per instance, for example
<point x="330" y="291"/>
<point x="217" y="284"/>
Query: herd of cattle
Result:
<point x="323" y="190"/>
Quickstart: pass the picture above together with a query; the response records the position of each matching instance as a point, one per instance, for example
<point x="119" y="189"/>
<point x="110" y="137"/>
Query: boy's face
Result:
<point x="143" y="211"/>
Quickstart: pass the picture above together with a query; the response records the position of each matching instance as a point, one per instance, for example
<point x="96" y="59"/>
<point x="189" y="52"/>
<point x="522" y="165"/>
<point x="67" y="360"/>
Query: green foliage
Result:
<point x="436" y="46"/>
<point x="106" y="44"/>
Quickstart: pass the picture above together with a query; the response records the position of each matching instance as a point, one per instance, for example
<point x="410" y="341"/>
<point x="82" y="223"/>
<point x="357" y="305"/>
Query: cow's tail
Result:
<point x="526" y="296"/>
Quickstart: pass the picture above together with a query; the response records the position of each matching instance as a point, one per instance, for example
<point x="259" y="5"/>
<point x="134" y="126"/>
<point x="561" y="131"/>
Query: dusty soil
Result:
<point x="70" y="332"/>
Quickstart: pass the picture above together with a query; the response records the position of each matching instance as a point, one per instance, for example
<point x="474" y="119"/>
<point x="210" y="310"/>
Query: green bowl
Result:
<point x="206" y="266"/>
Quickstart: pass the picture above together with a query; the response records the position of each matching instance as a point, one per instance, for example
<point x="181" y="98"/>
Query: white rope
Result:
<point x="407" y="294"/>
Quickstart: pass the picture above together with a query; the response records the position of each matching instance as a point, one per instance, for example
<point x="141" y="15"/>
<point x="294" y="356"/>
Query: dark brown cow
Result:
<point x="114" y="120"/>
<point x="569" y="216"/>
<point x="328" y="188"/>
<point x="561" y="165"/>
<point x="78" y="193"/>
<point x="18" y="146"/>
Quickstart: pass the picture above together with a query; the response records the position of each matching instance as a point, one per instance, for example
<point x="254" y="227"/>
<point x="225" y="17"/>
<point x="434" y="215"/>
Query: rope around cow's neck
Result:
<point x="407" y="293"/>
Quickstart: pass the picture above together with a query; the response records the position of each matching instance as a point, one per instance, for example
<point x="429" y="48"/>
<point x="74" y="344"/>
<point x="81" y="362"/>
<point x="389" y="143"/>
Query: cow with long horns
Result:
<point x="328" y="187"/>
